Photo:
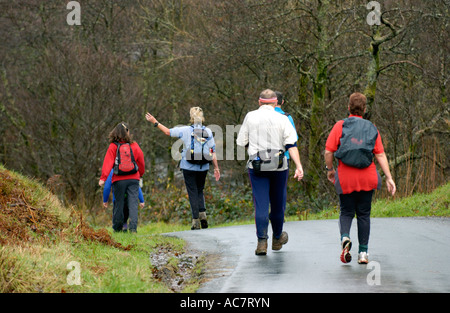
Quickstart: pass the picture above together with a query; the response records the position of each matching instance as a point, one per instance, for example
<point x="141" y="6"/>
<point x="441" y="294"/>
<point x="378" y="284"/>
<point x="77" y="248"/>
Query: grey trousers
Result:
<point x="131" y="189"/>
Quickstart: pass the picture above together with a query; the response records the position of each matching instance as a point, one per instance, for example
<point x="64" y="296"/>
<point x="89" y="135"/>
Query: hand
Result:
<point x="150" y="118"/>
<point x="142" y="204"/>
<point x="217" y="174"/>
<point x="391" y="186"/>
<point x="101" y="183"/>
<point x="331" y="175"/>
<point x="105" y="205"/>
<point x="298" y="173"/>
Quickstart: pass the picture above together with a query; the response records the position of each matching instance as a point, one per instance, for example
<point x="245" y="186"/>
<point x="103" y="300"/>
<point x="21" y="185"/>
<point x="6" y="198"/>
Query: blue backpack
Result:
<point x="197" y="153"/>
<point x="357" y="142"/>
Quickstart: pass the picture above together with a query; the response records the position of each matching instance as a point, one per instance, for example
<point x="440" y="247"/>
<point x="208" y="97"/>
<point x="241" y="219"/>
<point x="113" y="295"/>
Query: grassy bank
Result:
<point x="46" y="247"/>
<point x="436" y="203"/>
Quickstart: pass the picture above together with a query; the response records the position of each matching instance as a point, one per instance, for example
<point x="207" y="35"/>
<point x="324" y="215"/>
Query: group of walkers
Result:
<point x="270" y="137"/>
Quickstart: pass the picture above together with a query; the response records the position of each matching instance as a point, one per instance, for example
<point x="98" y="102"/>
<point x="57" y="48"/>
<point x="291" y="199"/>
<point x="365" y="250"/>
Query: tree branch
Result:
<point x="400" y="62"/>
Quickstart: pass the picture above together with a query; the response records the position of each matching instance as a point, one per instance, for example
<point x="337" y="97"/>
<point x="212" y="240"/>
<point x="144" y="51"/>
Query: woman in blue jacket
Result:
<point x="194" y="174"/>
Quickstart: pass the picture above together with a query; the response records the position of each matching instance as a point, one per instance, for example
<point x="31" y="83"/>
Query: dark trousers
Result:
<point x="126" y="212"/>
<point x="269" y="189"/>
<point x="359" y="203"/>
<point x="195" y="183"/>
<point x="120" y="189"/>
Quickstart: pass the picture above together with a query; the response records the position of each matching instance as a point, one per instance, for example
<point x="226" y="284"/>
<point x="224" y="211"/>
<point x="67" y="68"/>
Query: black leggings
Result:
<point x="359" y="203"/>
<point x="195" y="183"/>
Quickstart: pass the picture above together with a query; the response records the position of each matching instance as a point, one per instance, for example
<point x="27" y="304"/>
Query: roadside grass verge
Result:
<point x="435" y="204"/>
<point x="46" y="247"/>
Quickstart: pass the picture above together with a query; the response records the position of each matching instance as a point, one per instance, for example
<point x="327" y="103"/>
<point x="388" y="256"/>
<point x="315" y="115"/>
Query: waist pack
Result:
<point x="198" y="153"/>
<point x="125" y="164"/>
<point x="357" y="142"/>
<point x="268" y="160"/>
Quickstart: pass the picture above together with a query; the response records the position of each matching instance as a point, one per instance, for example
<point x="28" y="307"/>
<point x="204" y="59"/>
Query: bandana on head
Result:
<point x="271" y="100"/>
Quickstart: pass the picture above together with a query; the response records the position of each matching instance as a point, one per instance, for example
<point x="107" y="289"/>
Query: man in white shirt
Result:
<point x="268" y="135"/>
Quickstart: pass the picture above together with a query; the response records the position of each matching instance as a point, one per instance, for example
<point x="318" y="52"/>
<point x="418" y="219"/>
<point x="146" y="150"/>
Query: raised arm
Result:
<point x="153" y="120"/>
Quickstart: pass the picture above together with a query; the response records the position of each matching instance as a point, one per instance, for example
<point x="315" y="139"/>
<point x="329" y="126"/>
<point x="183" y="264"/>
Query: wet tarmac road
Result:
<point x="405" y="254"/>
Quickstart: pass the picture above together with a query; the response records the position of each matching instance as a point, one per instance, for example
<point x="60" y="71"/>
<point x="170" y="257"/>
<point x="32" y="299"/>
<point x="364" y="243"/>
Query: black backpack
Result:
<point x="125" y="164"/>
<point x="357" y="142"/>
<point x="197" y="154"/>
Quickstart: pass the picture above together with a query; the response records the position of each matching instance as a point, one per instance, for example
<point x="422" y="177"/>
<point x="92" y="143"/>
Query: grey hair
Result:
<point x="267" y="94"/>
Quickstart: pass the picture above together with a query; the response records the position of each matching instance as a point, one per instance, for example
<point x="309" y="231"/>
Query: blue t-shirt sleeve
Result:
<point x="293" y="124"/>
<point x="211" y="144"/>
<point x="107" y="187"/>
<point x="179" y="132"/>
<point x="141" y="196"/>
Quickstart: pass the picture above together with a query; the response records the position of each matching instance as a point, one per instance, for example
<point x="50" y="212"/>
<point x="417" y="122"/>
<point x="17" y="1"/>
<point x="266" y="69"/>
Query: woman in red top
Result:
<point x="127" y="184"/>
<point x="355" y="186"/>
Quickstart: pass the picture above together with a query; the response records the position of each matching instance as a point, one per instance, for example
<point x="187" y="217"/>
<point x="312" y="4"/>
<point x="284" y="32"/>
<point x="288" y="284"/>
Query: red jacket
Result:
<point x="110" y="156"/>
<point x="350" y="179"/>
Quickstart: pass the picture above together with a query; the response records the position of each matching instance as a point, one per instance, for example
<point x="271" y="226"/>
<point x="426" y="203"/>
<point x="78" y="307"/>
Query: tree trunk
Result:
<point x="317" y="106"/>
<point x="372" y="73"/>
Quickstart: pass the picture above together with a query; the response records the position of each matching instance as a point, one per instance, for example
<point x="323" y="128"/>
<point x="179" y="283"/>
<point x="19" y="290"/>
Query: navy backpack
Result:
<point x="357" y="142"/>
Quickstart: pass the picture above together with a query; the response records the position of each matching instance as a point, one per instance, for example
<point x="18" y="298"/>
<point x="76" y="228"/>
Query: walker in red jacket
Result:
<point x="123" y="183"/>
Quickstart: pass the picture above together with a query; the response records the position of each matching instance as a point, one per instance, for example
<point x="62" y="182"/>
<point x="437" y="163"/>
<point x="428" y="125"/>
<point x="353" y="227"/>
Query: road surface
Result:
<point x="405" y="254"/>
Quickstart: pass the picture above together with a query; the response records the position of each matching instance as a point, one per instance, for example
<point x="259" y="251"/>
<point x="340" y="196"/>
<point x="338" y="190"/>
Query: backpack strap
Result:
<point x="117" y="151"/>
<point x="192" y="139"/>
<point x="117" y="159"/>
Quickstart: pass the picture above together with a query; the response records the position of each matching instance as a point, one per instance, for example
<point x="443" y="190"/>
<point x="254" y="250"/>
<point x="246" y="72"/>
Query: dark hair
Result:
<point x="120" y="134"/>
<point x="279" y="97"/>
<point x="357" y="104"/>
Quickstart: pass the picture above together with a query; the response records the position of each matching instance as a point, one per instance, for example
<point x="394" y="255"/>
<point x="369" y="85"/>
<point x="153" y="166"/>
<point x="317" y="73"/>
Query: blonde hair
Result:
<point x="196" y="114"/>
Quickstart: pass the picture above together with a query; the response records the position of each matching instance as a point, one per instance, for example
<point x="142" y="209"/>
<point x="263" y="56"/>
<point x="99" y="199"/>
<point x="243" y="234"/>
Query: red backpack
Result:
<point x="125" y="164"/>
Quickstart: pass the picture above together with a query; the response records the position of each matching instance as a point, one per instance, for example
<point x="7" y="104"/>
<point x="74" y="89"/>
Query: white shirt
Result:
<point x="265" y="129"/>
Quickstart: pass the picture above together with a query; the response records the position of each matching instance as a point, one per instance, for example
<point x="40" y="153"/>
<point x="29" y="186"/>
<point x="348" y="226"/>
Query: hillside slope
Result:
<point x="47" y="247"/>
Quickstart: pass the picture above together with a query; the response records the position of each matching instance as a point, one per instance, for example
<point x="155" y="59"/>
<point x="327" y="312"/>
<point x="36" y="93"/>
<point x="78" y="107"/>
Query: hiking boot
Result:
<point x="261" y="248"/>
<point x="346" y="246"/>
<point x="203" y="221"/>
<point x="277" y="244"/>
<point x="363" y="258"/>
<point x="195" y="224"/>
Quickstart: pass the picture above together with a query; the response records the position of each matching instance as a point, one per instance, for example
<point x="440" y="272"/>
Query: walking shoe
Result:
<point x="363" y="258"/>
<point x="195" y="224"/>
<point x="346" y="246"/>
<point x="203" y="221"/>
<point x="261" y="248"/>
<point x="277" y="244"/>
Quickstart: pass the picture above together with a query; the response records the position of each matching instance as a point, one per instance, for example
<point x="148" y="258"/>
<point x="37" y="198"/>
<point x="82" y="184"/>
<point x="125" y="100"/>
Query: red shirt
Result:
<point x="351" y="178"/>
<point x="110" y="156"/>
